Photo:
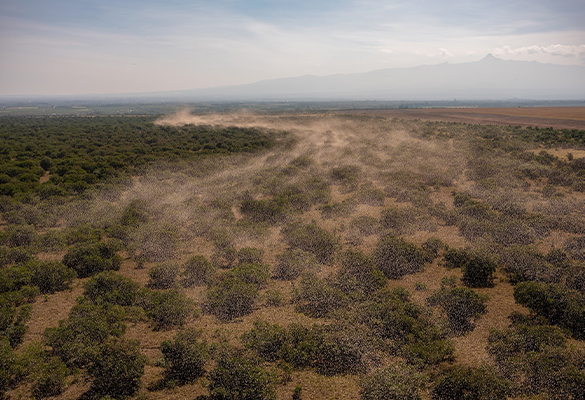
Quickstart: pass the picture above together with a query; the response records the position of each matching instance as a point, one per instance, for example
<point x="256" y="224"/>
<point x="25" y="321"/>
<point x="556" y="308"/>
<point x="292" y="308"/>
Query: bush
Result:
<point x="88" y="326"/>
<point x="478" y="272"/>
<point x="163" y="276"/>
<point x="557" y="303"/>
<point x="50" y="276"/>
<point x="358" y="273"/>
<point x="88" y="259"/>
<point x="116" y="369"/>
<point x="250" y="255"/>
<point x="575" y="247"/>
<point x="274" y="298"/>
<point x="224" y="257"/>
<point x="456" y="258"/>
<point x="109" y="287"/>
<point x="256" y="274"/>
<point x="396" y="257"/>
<point x="51" y="380"/>
<point x="366" y="225"/>
<point x="185" y="356"/>
<point x="465" y="383"/>
<point x="7" y="364"/>
<point x="461" y="305"/>
<point x="265" y="339"/>
<point x="311" y="238"/>
<point x="156" y="242"/>
<point x="371" y="196"/>
<point x="231" y="298"/>
<point x="395" y="382"/>
<point x="167" y="309"/>
<point x="270" y="211"/>
<point x="13" y="323"/>
<point x="198" y="271"/>
<point x="239" y="378"/>
<point x="510" y="346"/>
<point x="347" y="176"/>
<point x="317" y="298"/>
<point x="13" y="278"/>
<point x="292" y="263"/>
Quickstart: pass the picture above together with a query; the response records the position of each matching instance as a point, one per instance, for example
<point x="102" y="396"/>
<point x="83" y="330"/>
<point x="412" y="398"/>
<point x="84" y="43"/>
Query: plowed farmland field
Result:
<point x="556" y="117"/>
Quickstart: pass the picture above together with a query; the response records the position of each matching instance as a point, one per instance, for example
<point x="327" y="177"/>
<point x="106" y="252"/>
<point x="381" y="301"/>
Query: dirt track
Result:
<point x="556" y="117"/>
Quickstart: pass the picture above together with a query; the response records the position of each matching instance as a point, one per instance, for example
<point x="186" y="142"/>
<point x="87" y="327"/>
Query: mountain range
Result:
<point x="490" y="78"/>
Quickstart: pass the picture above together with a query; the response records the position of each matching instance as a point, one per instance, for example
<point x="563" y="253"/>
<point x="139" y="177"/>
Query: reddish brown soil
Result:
<point x="556" y="117"/>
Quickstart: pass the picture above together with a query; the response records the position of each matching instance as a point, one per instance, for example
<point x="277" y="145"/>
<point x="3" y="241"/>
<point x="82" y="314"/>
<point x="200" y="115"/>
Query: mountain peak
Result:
<point x="491" y="57"/>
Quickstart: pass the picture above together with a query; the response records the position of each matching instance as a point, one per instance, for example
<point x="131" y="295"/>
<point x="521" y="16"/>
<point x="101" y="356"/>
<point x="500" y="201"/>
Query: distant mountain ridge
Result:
<point x="489" y="78"/>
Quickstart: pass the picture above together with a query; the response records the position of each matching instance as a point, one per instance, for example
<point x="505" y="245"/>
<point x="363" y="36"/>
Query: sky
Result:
<point x="58" y="47"/>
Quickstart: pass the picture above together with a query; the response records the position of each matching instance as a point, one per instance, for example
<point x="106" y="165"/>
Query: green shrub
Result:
<point x="347" y="176"/>
<point x="575" y="247"/>
<point x="434" y="246"/>
<point x="198" y="271"/>
<point x="20" y="235"/>
<point x="396" y="257"/>
<point x="88" y="326"/>
<point x="167" y="309"/>
<point x="134" y="214"/>
<point x="395" y="382"/>
<point x="163" y="276"/>
<point x="224" y="257"/>
<point x="240" y="378"/>
<point x="51" y="380"/>
<point x="50" y="276"/>
<point x="509" y="346"/>
<point x="109" y="287"/>
<point x="311" y="238"/>
<point x="256" y="274"/>
<point x="231" y="298"/>
<point x="13" y="278"/>
<point x="88" y="259"/>
<point x="456" y="258"/>
<point x="13" y="323"/>
<point x="274" y="298"/>
<point x="155" y="242"/>
<point x="250" y="255"/>
<point x="265" y="339"/>
<point x="461" y="305"/>
<point x="185" y="356"/>
<point x="270" y="211"/>
<point x="394" y="220"/>
<point x="358" y="273"/>
<point x="336" y="210"/>
<point x="116" y="368"/>
<point x="317" y="298"/>
<point x="292" y="263"/>
<point x="465" y="383"/>
<point x="53" y="240"/>
<point x="366" y="225"/>
<point x="371" y="196"/>
<point x="7" y="364"/>
<point x="557" y="303"/>
<point x="478" y="272"/>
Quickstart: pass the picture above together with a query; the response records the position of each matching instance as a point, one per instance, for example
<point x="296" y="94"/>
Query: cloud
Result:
<point x="559" y="50"/>
<point x="445" y="53"/>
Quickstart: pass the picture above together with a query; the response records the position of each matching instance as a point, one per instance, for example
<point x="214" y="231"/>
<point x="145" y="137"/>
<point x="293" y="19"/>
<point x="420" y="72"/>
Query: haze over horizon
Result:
<point x="62" y="47"/>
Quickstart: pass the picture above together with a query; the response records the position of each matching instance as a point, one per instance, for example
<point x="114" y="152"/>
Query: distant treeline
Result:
<point x="76" y="152"/>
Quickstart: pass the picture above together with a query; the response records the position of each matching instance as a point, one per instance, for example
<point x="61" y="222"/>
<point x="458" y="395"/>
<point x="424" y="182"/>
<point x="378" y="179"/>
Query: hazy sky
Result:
<point x="113" y="46"/>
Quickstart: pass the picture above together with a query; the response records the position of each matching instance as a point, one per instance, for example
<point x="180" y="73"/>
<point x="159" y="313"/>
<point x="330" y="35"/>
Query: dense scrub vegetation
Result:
<point x="273" y="266"/>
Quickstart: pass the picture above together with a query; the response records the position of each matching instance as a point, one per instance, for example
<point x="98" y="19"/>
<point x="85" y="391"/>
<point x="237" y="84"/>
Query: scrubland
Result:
<point x="335" y="257"/>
